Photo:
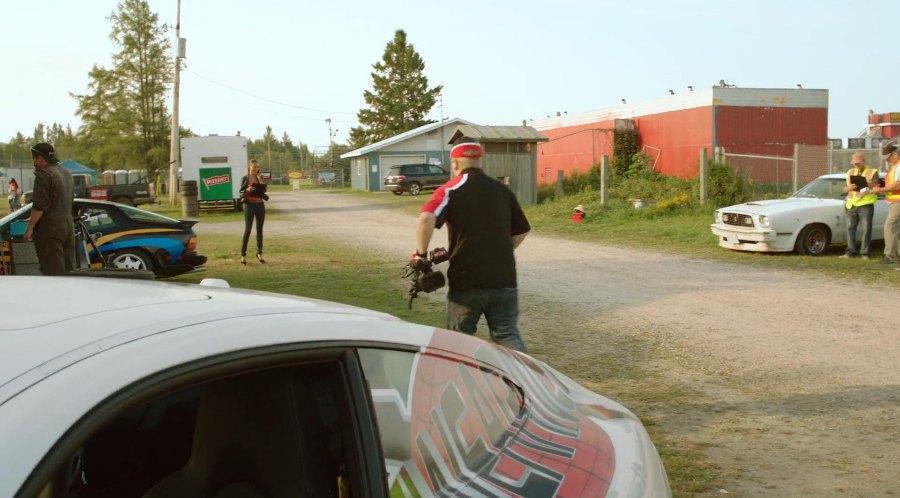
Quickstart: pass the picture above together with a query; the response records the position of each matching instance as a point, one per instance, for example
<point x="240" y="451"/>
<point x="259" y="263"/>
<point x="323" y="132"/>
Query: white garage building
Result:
<point x="425" y="144"/>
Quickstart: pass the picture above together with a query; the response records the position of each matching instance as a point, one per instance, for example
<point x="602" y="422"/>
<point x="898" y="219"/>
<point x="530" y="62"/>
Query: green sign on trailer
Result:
<point x="217" y="164"/>
<point x="215" y="184"/>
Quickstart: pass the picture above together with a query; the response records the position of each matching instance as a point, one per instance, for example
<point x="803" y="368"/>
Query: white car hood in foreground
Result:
<point x="78" y="318"/>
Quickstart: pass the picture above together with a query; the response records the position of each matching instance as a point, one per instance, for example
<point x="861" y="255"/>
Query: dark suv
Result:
<point x="414" y="178"/>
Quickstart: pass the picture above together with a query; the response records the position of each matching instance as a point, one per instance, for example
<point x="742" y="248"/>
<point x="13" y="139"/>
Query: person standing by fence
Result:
<point x="860" y="206"/>
<point x="13" y="196"/>
<point x="891" y="191"/>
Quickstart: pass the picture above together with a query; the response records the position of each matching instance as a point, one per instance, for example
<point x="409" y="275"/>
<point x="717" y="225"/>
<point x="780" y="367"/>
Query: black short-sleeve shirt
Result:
<point x="482" y="215"/>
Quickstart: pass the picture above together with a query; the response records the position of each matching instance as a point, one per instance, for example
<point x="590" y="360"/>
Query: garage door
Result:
<point x="385" y="163"/>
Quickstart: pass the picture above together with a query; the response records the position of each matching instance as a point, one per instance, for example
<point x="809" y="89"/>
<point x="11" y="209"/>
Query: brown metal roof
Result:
<point x="498" y="133"/>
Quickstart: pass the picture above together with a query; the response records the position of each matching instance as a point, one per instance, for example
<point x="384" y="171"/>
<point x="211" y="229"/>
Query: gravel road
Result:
<point x="793" y="390"/>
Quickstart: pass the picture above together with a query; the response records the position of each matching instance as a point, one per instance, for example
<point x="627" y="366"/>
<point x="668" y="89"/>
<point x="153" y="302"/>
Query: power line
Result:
<point x="265" y="98"/>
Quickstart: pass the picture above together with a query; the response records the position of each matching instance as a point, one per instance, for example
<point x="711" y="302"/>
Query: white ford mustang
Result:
<point x="121" y="388"/>
<point x="807" y="222"/>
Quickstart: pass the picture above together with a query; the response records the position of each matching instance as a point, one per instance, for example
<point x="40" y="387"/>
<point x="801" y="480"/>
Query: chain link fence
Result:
<point x="22" y="171"/>
<point x="773" y="177"/>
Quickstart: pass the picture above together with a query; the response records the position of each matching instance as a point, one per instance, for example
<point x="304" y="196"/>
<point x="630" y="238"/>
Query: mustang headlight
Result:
<point x="764" y="221"/>
<point x="718" y="216"/>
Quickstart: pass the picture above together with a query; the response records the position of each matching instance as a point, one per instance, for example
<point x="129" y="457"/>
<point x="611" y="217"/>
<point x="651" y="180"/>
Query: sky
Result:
<point x="293" y="64"/>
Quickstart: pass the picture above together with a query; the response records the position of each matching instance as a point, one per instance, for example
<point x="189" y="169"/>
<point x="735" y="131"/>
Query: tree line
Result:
<point x="125" y="123"/>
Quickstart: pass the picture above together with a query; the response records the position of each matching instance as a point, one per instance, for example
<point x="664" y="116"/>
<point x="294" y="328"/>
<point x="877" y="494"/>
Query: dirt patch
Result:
<point x="788" y="387"/>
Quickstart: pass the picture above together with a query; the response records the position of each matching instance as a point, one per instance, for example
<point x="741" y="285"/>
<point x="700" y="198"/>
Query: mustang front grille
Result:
<point x="738" y="220"/>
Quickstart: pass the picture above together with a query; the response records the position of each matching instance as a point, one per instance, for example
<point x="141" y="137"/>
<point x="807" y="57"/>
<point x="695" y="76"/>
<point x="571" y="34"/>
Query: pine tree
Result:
<point x="124" y="117"/>
<point x="400" y="98"/>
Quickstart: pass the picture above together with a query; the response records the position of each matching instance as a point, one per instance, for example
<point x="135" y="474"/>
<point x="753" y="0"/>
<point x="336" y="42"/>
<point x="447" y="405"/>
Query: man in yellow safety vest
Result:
<point x="860" y="207"/>
<point x="891" y="191"/>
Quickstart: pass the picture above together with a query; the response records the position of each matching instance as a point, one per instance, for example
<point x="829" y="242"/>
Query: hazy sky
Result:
<point x="291" y="64"/>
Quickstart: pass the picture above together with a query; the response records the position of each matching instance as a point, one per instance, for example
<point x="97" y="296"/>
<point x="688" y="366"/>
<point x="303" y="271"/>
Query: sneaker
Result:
<point x="865" y="257"/>
<point x="845" y="256"/>
<point x="888" y="261"/>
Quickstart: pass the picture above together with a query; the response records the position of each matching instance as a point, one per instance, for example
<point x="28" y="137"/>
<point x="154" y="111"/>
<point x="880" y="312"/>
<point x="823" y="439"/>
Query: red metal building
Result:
<point x="673" y="129"/>
<point x="885" y="125"/>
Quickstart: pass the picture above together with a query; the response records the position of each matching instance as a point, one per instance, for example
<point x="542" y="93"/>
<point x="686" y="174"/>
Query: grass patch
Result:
<point x="320" y="269"/>
<point x="685" y="231"/>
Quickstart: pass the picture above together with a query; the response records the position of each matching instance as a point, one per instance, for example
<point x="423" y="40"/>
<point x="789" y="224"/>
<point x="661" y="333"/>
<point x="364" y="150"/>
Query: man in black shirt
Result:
<point x="485" y="224"/>
<point x="50" y="225"/>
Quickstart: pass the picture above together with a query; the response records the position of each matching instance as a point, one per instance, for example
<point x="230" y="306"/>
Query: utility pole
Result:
<point x="300" y="149"/>
<point x="330" y="142"/>
<point x="175" y="145"/>
<point x="441" y="100"/>
<point x="268" y="152"/>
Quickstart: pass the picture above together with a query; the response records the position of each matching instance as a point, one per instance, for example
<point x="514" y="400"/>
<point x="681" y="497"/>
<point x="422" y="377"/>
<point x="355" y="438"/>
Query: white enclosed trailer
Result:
<point x="217" y="164"/>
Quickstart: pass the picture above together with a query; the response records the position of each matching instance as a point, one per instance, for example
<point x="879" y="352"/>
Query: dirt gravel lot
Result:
<point x="788" y="387"/>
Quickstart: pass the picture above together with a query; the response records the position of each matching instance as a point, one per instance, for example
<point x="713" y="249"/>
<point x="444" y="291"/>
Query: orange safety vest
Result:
<point x="889" y="180"/>
<point x="854" y="197"/>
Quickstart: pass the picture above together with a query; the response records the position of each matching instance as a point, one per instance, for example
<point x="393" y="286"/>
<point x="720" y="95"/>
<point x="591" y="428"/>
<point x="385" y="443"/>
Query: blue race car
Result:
<point x="126" y="237"/>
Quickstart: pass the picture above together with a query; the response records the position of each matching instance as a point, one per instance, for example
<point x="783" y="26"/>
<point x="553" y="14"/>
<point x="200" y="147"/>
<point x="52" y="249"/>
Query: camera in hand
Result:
<point x="425" y="279"/>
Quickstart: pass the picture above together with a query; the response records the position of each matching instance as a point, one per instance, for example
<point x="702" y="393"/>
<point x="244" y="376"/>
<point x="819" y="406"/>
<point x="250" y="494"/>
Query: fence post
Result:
<point x="604" y="180"/>
<point x="704" y="176"/>
<point x="559" y="183"/>
<point x="719" y="155"/>
<point x="795" y="171"/>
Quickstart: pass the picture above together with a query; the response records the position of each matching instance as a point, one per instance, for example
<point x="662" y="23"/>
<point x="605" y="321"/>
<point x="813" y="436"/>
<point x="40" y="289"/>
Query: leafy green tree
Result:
<point x="16" y="153"/>
<point x="400" y="98"/>
<point x="124" y="118"/>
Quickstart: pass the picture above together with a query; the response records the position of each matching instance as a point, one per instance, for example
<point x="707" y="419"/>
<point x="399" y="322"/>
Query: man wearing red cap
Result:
<point x="860" y="206"/>
<point x="485" y="224"/>
<point x="50" y="224"/>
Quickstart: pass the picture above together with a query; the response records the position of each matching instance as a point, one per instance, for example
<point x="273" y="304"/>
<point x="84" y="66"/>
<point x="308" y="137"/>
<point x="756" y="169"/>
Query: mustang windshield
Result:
<point x="823" y="188"/>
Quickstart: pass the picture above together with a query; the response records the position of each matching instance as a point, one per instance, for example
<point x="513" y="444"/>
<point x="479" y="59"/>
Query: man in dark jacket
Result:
<point x="50" y="226"/>
<point x="485" y="224"/>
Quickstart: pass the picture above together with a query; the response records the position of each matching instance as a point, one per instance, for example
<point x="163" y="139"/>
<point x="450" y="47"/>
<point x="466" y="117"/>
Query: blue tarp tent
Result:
<point x="76" y="167"/>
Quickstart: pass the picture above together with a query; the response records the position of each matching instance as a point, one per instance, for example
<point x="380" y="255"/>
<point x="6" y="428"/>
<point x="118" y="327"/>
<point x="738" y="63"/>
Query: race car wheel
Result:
<point x="813" y="240"/>
<point x="131" y="259"/>
<point x="414" y="188"/>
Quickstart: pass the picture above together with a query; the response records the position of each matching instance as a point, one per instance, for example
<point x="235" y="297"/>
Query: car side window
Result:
<point x="97" y="219"/>
<point x="285" y="431"/>
<point x="436" y="170"/>
<point x="431" y="411"/>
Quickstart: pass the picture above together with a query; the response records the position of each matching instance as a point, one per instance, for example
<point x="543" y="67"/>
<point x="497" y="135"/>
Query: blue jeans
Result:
<point x="500" y="308"/>
<point x="855" y="216"/>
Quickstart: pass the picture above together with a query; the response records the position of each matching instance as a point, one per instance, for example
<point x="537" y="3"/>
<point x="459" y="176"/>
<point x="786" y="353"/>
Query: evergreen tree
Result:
<point x="124" y="118"/>
<point x="400" y="98"/>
